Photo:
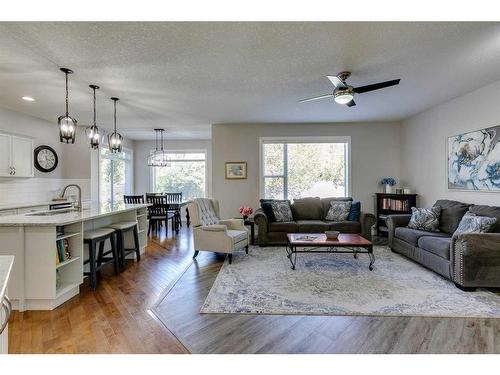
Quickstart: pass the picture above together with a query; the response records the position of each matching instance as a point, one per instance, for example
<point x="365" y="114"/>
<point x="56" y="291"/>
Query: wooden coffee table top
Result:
<point x="344" y="239"/>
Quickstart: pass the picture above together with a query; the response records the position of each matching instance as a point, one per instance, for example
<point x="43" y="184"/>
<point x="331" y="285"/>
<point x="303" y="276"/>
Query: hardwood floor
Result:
<point x="117" y="319"/>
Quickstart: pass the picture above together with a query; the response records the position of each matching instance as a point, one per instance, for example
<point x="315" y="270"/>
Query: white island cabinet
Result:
<point x="39" y="280"/>
<point x="6" y="263"/>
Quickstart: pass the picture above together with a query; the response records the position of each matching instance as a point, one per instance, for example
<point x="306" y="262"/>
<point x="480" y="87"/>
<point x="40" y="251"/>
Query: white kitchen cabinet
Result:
<point x="4" y="336"/>
<point x="16" y="156"/>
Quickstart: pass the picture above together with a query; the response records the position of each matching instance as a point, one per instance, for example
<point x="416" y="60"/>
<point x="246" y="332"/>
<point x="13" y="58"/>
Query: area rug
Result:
<point x="338" y="284"/>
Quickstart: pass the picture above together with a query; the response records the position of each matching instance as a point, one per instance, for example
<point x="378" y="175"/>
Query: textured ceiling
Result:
<point x="186" y="76"/>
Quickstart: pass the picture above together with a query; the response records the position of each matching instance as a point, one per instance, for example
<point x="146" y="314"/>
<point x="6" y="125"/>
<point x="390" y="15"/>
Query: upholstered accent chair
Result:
<point x="213" y="234"/>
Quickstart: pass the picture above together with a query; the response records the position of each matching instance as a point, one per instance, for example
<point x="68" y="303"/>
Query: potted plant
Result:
<point x="245" y="212"/>
<point x="389" y="182"/>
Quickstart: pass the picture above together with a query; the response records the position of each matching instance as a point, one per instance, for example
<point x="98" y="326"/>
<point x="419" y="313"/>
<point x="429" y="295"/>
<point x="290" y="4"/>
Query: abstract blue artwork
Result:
<point x="474" y="160"/>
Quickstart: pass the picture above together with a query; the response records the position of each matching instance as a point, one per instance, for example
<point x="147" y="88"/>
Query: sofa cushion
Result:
<point x="355" y="212"/>
<point x="490" y="211"/>
<point x="287" y="227"/>
<point x="451" y="214"/>
<point x="346" y="226"/>
<point x="439" y="246"/>
<point x="325" y="203"/>
<point x="312" y="226"/>
<point x="412" y="235"/>
<point x="307" y="209"/>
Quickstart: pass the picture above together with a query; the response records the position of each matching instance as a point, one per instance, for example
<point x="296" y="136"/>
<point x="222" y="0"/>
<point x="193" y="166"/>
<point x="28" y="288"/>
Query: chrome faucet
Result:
<point x="79" y="203"/>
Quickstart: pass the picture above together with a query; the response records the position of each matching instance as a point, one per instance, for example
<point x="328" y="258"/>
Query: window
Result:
<point x="115" y="175"/>
<point x="186" y="173"/>
<point x="313" y="167"/>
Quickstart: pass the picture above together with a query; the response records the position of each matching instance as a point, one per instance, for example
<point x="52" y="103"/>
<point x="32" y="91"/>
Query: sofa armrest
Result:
<point x="367" y="221"/>
<point x="475" y="259"/>
<point x="395" y="221"/>
<point x="214" y="228"/>
<point x="233" y="224"/>
<point x="262" y="221"/>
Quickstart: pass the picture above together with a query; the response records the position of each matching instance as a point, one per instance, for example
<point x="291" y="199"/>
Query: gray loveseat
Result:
<point x="470" y="260"/>
<point x="308" y="217"/>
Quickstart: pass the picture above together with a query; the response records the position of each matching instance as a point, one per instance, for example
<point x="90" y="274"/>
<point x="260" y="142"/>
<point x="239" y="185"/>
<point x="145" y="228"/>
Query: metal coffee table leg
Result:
<point x="372" y="258"/>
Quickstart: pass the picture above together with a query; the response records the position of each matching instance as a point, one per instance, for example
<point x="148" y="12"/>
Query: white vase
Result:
<point x="388" y="189"/>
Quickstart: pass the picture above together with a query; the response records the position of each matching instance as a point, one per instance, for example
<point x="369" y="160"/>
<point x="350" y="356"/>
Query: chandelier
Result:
<point x="158" y="157"/>
<point x="66" y="123"/>
<point x="93" y="132"/>
<point x="115" y="139"/>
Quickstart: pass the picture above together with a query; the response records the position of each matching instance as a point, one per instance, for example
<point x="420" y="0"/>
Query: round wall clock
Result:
<point x="45" y="159"/>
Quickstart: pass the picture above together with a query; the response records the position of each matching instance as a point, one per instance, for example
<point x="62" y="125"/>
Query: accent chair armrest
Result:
<point x="233" y="224"/>
<point x="367" y="220"/>
<point x="214" y="228"/>
<point x="395" y="221"/>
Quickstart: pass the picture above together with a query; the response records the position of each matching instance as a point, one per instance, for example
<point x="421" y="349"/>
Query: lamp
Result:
<point x="93" y="132"/>
<point x="158" y="158"/>
<point x="66" y="123"/>
<point x="343" y="96"/>
<point x="115" y="139"/>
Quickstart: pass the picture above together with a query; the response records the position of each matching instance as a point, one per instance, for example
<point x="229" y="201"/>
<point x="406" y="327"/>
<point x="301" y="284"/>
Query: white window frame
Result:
<point x="289" y="140"/>
<point x="152" y="173"/>
<point x="99" y="158"/>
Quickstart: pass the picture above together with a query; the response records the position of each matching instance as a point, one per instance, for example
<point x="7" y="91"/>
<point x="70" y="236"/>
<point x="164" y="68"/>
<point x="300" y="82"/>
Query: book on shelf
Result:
<point x="62" y="251"/>
<point x="395" y="204"/>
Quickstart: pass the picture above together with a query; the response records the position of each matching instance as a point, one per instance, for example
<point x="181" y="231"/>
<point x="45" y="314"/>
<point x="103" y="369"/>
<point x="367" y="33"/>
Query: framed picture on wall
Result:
<point x="236" y="170"/>
<point x="474" y="160"/>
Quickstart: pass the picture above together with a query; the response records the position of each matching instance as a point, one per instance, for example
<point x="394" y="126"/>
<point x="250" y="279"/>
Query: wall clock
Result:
<point x="45" y="159"/>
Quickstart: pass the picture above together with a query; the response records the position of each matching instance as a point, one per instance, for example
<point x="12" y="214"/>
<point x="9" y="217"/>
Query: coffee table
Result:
<point x="318" y="243"/>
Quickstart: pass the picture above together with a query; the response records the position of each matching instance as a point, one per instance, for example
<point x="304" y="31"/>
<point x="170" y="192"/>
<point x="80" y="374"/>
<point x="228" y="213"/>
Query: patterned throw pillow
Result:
<point x="339" y="211"/>
<point x="471" y="223"/>
<point x="426" y="219"/>
<point x="282" y="211"/>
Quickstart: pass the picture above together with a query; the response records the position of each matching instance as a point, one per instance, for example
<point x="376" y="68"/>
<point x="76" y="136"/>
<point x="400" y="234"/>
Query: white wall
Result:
<point x="375" y="152"/>
<point x="142" y="150"/>
<point x="424" y="137"/>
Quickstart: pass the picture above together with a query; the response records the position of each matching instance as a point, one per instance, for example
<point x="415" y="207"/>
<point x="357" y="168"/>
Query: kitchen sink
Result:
<point x="53" y="212"/>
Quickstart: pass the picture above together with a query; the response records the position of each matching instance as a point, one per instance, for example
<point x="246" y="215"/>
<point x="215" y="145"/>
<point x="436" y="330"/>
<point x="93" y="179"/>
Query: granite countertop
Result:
<point x="63" y="218"/>
<point x="11" y="206"/>
<point x="6" y="262"/>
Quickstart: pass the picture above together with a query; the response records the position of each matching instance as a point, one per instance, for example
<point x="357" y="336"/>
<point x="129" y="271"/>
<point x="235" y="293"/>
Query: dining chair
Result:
<point x="159" y="213"/>
<point x="174" y="201"/>
<point x="131" y="199"/>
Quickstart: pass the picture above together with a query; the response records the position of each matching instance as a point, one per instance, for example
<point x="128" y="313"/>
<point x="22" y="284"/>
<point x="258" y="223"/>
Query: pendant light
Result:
<point x="115" y="139"/>
<point x="67" y="124"/>
<point x="93" y="132"/>
<point x="158" y="158"/>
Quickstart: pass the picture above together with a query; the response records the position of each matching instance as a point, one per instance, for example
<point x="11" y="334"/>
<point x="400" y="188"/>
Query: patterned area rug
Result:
<point x="337" y="284"/>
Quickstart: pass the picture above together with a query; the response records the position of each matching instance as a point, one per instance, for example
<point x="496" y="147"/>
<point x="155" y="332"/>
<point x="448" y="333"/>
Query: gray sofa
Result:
<point x="470" y="260"/>
<point x="308" y="217"/>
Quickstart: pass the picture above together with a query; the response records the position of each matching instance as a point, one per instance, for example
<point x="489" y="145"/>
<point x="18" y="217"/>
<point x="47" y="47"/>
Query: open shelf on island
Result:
<point x="66" y="235"/>
<point x="65" y="287"/>
<point x="67" y="262"/>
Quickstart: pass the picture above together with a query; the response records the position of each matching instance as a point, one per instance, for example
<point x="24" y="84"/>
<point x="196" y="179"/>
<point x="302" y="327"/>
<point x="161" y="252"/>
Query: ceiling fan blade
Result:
<point x="352" y="103"/>
<point x="337" y="82"/>
<point x="316" y="98"/>
<point x="375" y="86"/>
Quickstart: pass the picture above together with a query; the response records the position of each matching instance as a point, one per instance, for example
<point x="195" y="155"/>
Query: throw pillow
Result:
<point x="426" y="219"/>
<point x="339" y="211"/>
<point x="471" y="223"/>
<point x="282" y="211"/>
<point x="355" y="211"/>
<point x="267" y="207"/>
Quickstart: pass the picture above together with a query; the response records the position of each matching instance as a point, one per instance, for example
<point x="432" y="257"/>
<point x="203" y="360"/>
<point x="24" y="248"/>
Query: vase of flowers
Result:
<point x="389" y="182"/>
<point x="245" y="212"/>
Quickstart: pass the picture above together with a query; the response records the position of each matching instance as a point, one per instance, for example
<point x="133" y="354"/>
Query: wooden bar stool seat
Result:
<point x="98" y="259"/>
<point x="121" y="228"/>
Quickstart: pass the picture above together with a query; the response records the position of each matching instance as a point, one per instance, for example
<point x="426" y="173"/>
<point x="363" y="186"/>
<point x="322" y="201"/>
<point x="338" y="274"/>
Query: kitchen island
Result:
<point x="41" y="281"/>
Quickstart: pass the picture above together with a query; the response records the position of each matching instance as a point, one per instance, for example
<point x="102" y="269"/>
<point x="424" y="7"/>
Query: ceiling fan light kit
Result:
<point x="66" y="123"/>
<point x="344" y="94"/>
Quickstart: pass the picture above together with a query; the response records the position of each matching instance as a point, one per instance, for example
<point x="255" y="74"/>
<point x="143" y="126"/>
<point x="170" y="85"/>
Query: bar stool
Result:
<point x="121" y="228"/>
<point x="97" y="260"/>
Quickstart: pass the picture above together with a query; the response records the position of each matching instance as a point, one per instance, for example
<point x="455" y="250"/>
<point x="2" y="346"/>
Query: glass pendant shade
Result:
<point x="115" y="139"/>
<point x="158" y="157"/>
<point x="66" y="123"/>
<point x="93" y="132"/>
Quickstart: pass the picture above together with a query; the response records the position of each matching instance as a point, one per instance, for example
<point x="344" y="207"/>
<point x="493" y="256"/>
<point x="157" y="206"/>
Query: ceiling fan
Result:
<point x="344" y="94"/>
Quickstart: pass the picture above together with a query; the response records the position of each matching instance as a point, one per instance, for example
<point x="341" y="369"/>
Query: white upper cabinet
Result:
<point x="16" y="156"/>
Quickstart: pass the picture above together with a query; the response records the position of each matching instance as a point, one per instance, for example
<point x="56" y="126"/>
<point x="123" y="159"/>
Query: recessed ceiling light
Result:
<point x="28" y="98"/>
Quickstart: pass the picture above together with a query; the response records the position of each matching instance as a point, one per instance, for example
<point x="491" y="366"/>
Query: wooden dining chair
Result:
<point x="131" y="199"/>
<point x="174" y="201"/>
<point x="158" y="213"/>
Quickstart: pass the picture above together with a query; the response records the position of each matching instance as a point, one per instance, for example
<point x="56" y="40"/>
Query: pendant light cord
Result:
<point x="67" y="112"/>
<point x="115" y="115"/>
<point x="94" y="108"/>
